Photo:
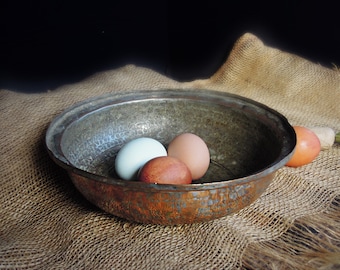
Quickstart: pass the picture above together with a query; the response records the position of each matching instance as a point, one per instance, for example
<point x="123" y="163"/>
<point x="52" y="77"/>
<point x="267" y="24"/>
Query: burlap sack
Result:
<point x="46" y="224"/>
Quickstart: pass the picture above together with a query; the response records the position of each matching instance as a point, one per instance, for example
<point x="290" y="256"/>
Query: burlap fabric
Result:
<point x="46" y="224"/>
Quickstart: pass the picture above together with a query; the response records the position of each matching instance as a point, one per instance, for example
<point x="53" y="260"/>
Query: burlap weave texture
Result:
<point x="46" y="224"/>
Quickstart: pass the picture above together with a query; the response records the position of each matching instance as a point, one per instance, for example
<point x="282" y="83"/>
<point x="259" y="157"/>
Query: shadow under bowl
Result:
<point x="248" y="143"/>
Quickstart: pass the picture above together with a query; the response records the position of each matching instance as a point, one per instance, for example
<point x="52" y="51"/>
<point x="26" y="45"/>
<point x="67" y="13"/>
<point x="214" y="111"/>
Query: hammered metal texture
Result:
<point x="247" y="141"/>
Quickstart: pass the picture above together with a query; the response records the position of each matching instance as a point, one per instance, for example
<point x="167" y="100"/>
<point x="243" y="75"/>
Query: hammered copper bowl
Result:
<point x="248" y="143"/>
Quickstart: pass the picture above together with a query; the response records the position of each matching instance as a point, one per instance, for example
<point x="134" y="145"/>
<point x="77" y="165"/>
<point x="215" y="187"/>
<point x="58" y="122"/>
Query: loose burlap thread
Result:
<point x="46" y="224"/>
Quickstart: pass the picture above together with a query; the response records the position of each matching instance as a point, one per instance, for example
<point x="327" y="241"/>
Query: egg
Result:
<point x="193" y="151"/>
<point x="133" y="155"/>
<point x="165" y="170"/>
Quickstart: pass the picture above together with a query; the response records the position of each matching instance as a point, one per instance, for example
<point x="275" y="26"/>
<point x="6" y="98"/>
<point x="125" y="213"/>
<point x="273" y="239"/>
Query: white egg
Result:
<point x="133" y="155"/>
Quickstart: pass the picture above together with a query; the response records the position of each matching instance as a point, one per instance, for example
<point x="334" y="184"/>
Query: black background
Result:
<point x="45" y="44"/>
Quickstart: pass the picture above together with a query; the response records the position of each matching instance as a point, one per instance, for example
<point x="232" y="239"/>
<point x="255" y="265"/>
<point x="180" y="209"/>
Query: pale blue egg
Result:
<point x="133" y="155"/>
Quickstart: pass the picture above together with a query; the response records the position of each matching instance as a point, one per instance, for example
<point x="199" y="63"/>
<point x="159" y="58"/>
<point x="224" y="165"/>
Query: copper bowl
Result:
<point x="248" y="143"/>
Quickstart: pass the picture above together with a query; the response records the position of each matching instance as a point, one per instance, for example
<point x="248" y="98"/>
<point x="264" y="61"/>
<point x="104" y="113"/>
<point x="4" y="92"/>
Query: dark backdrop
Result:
<point x="45" y="44"/>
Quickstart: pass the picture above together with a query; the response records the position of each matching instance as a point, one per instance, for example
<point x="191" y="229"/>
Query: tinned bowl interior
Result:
<point x="248" y="143"/>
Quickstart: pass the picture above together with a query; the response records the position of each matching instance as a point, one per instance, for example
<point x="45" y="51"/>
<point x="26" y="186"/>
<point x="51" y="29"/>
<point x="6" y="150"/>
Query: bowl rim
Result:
<point x="59" y="124"/>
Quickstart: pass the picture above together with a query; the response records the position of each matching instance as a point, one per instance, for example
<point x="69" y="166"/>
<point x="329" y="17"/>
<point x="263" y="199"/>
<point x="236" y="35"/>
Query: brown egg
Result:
<point x="193" y="151"/>
<point x="165" y="170"/>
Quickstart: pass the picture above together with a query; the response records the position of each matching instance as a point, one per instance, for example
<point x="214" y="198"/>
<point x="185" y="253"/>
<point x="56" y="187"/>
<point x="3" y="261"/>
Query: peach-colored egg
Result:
<point x="193" y="151"/>
<point x="307" y="147"/>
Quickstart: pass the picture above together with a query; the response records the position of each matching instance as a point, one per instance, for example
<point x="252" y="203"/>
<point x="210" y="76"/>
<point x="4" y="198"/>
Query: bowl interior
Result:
<point x="243" y="137"/>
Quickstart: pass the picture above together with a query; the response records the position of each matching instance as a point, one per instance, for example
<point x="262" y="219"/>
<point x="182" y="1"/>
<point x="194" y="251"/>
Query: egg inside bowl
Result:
<point x="248" y="142"/>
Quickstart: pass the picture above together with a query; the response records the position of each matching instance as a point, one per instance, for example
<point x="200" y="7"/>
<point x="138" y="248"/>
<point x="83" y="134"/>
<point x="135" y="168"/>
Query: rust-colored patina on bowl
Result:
<point x="248" y="143"/>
